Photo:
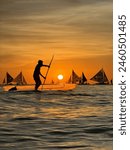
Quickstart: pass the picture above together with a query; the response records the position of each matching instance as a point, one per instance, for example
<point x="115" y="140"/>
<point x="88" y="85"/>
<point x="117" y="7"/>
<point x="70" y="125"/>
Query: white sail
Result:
<point x="100" y="77"/>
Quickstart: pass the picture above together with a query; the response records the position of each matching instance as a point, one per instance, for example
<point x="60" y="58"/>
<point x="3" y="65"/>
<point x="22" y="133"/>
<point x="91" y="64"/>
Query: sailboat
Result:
<point x="83" y="79"/>
<point x="74" y="78"/>
<point x="100" y="77"/>
<point x="8" y="79"/>
<point x="20" y="84"/>
<point x="20" y="80"/>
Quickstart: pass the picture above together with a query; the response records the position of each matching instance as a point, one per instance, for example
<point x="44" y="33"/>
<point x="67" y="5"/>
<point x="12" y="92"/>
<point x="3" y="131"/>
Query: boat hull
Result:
<point x="63" y="87"/>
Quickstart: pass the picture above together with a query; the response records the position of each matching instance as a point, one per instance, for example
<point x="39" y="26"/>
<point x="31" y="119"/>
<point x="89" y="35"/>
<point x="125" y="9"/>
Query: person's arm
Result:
<point x="46" y="66"/>
<point x="42" y="76"/>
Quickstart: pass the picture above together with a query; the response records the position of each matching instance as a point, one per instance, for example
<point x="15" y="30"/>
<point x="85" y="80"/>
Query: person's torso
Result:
<point x="37" y="71"/>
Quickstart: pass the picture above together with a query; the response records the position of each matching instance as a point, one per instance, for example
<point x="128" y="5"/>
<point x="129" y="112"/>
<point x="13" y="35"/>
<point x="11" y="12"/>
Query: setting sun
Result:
<point x="60" y="76"/>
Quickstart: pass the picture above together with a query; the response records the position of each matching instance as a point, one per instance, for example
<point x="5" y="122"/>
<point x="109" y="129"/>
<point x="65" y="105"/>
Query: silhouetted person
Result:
<point x="37" y="73"/>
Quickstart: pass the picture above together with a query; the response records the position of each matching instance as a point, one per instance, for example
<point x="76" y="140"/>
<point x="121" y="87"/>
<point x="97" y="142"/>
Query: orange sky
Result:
<point x="77" y="32"/>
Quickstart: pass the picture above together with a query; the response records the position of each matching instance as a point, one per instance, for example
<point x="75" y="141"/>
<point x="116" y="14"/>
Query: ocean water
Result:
<point x="79" y="119"/>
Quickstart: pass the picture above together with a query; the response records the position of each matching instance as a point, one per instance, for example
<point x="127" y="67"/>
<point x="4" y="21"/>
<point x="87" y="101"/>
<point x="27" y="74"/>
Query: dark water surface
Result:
<point x="80" y="119"/>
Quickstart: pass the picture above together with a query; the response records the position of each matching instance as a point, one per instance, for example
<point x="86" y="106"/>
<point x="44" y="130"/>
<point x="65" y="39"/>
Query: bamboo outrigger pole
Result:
<point x="47" y="71"/>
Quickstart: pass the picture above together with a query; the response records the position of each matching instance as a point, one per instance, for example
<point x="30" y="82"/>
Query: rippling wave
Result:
<point x="79" y="119"/>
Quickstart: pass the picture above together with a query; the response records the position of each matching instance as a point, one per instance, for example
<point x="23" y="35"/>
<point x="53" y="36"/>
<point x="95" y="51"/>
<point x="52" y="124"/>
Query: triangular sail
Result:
<point x="8" y="79"/>
<point x="24" y="81"/>
<point x="100" y="77"/>
<point x="74" y="78"/>
<point x="83" y="79"/>
<point x="70" y="81"/>
<point x="20" y="80"/>
<point x="111" y="81"/>
<point x="4" y="81"/>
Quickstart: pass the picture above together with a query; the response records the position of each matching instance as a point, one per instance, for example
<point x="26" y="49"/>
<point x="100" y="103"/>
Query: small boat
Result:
<point x="100" y="77"/>
<point x="19" y="80"/>
<point x="56" y="87"/>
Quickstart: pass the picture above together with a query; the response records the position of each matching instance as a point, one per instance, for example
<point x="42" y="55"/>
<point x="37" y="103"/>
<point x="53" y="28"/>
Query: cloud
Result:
<point x="68" y="26"/>
<point x="21" y="9"/>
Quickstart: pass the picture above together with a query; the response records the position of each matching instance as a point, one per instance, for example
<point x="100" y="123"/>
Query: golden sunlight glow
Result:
<point x="60" y="77"/>
<point x="79" y="39"/>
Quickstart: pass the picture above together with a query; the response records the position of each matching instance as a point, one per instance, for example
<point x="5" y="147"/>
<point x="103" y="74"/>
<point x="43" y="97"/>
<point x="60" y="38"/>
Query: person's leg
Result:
<point x="38" y="83"/>
<point x="36" y="86"/>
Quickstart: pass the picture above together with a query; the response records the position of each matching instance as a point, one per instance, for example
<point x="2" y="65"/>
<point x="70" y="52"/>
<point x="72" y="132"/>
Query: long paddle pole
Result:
<point x="47" y="71"/>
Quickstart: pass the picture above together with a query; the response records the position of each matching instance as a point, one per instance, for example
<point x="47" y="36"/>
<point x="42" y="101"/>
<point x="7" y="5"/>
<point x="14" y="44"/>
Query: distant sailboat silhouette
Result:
<point x="52" y="82"/>
<point x="83" y="79"/>
<point x="74" y="78"/>
<point x="20" y="80"/>
<point x="8" y="79"/>
<point x="100" y="77"/>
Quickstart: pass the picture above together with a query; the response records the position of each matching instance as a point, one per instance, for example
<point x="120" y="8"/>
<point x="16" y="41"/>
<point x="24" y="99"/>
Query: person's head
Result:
<point x="40" y="62"/>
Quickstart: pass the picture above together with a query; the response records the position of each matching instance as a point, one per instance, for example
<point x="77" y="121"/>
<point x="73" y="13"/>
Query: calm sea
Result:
<point x="80" y="119"/>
